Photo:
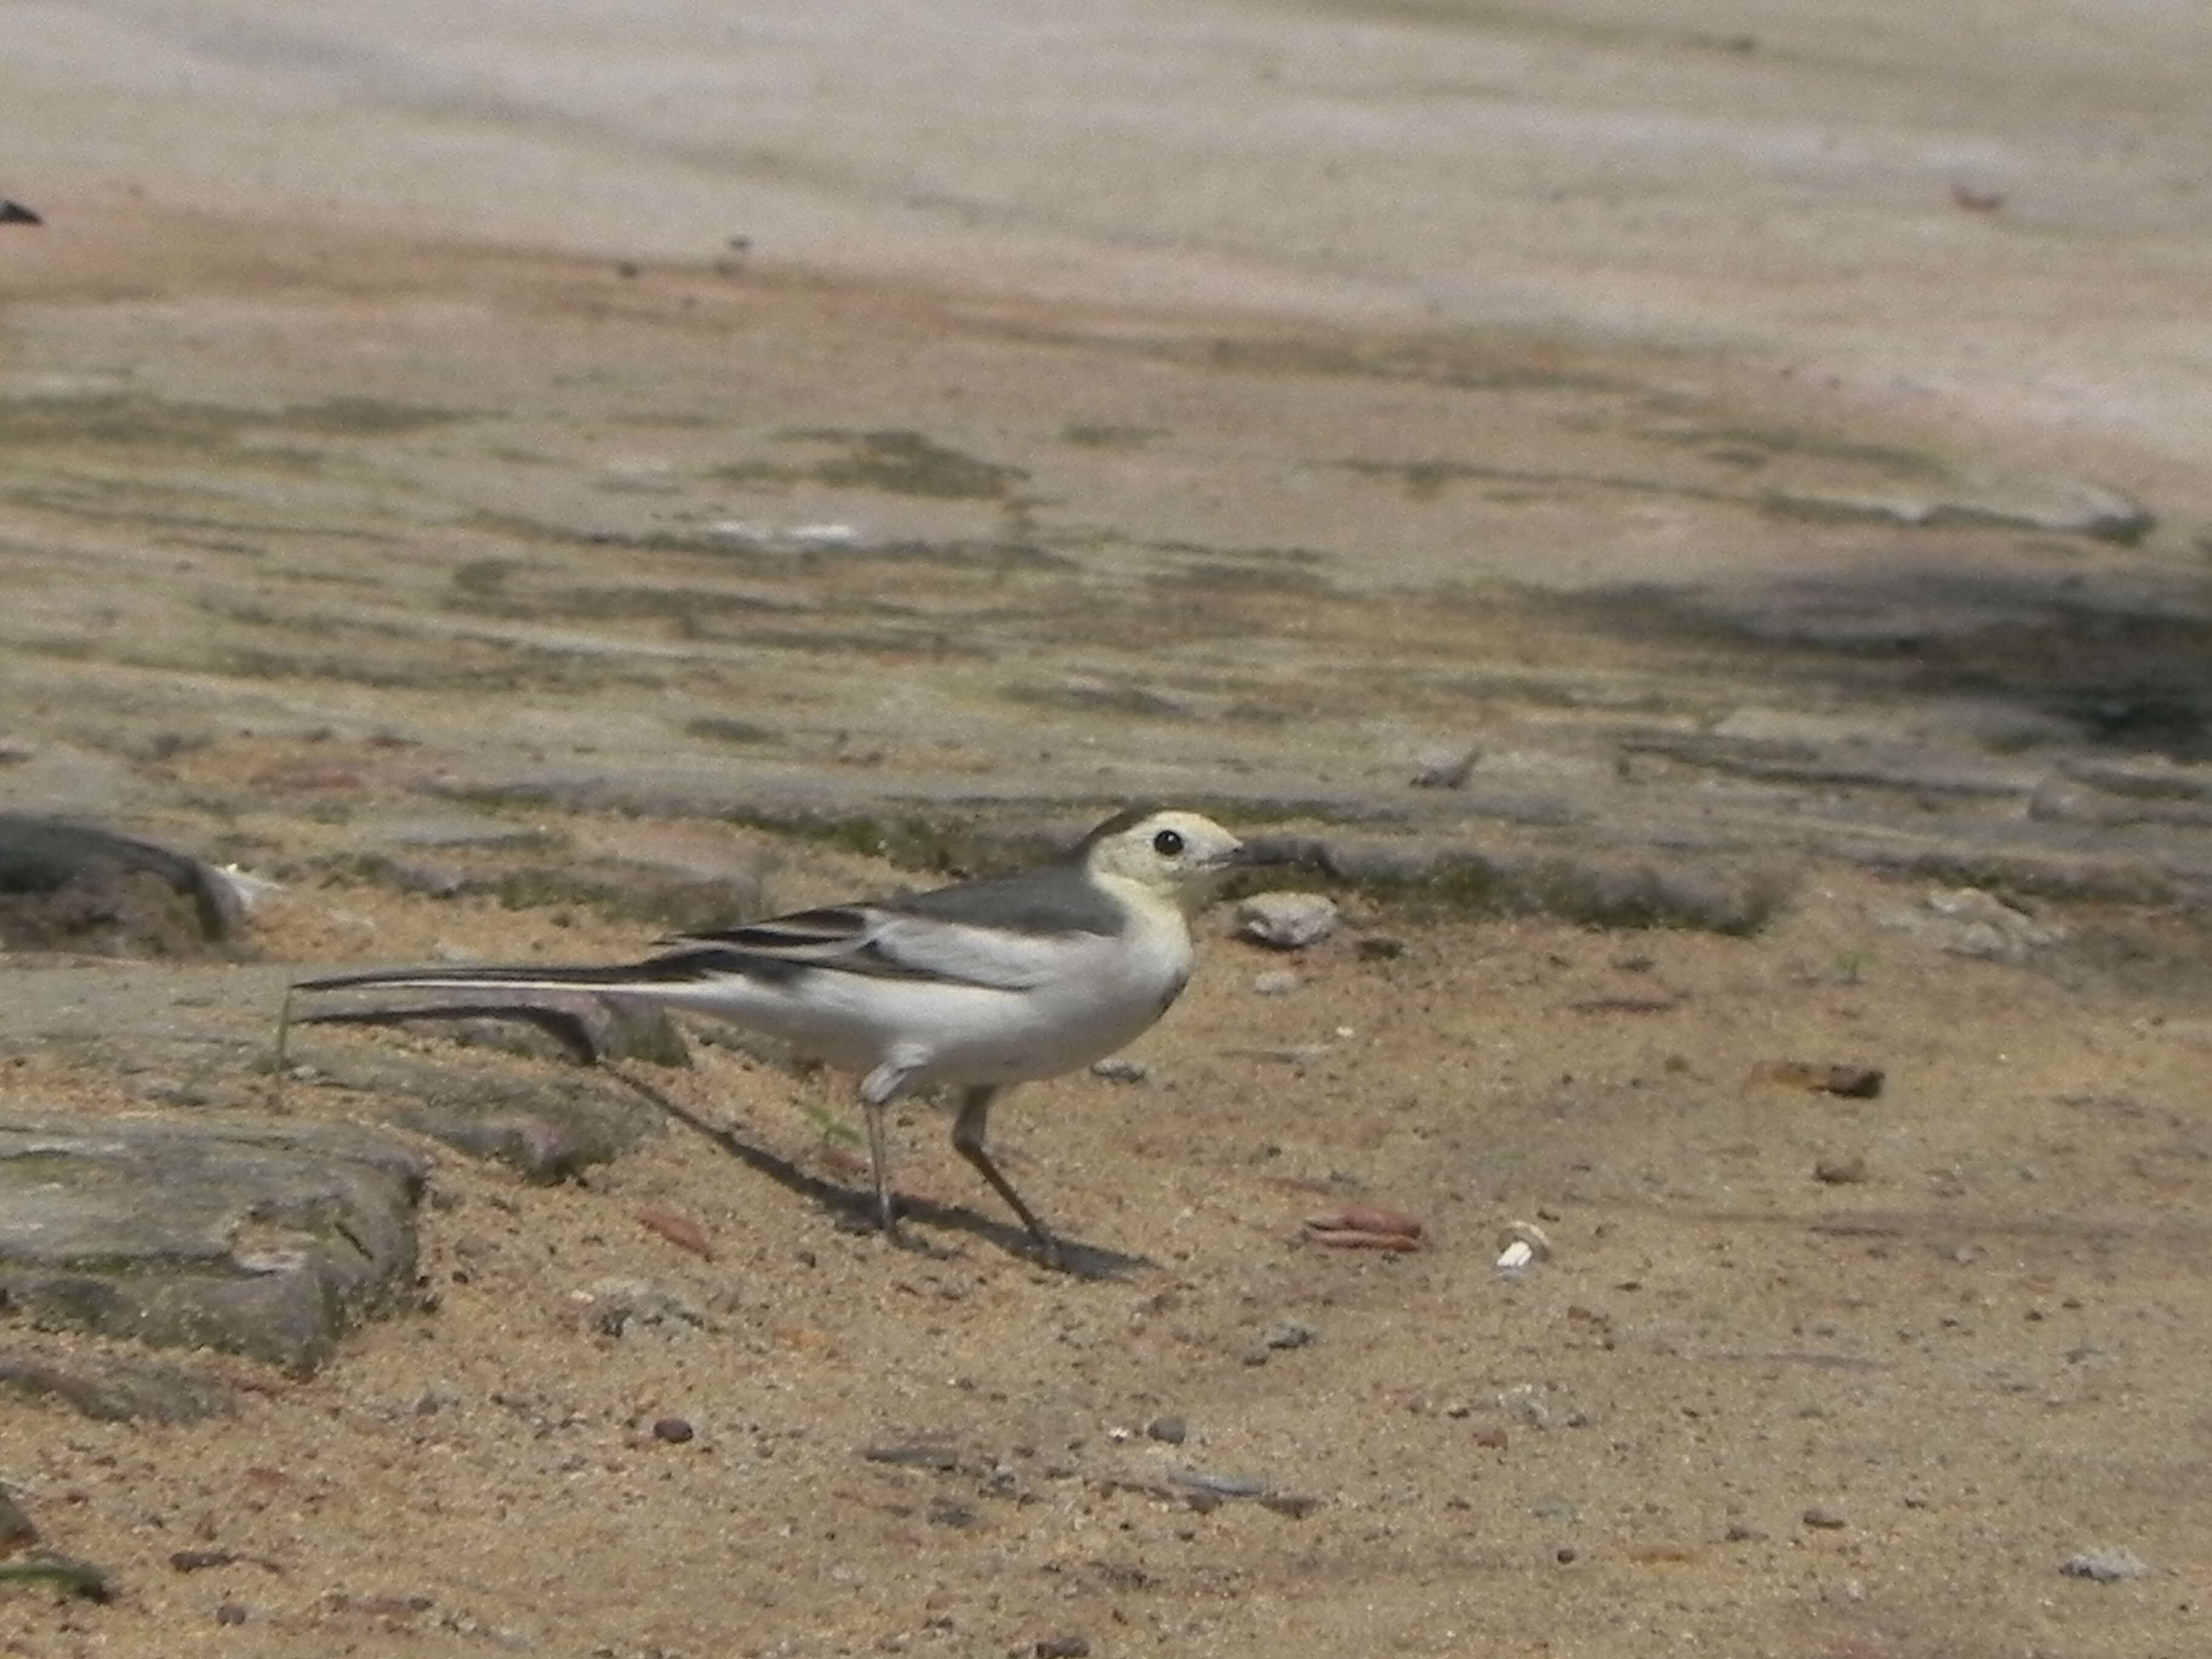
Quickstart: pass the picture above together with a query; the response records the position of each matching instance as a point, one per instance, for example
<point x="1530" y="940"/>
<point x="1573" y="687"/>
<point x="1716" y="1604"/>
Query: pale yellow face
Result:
<point x="1179" y="856"/>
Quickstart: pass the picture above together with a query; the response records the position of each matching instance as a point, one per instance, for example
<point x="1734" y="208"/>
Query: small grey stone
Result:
<point x="1446" y="770"/>
<point x="2107" y="1563"/>
<point x="1287" y="921"/>
<point x="1525" y="1401"/>
<point x="617" y="1307"/>
<point x="1289" y="1333"/>
<point x="1171" y="1430"/>
<point x="1823" y="1517"/>
<point x="1120" y="1068"/>
<point x="1278" y="982"/>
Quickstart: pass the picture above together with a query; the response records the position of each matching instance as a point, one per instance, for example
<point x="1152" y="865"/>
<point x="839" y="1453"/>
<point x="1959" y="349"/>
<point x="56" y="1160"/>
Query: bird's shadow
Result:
<point x="855" y="1211"/>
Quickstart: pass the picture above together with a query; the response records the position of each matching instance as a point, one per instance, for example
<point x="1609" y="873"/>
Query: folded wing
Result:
<point x="884" y="944"/>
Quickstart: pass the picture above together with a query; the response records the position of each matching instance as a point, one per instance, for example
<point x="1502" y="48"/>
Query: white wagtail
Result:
<point x="979" y="986"/>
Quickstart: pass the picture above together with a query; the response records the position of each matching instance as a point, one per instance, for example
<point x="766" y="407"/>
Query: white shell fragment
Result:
<point x="1520" y="1246"/>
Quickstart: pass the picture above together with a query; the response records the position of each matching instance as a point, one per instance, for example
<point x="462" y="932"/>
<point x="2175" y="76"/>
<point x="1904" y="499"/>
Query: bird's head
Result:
<point x="1179" y="856"/>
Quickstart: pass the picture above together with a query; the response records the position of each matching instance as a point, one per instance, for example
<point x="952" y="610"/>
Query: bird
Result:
<point x="975" y="987"/>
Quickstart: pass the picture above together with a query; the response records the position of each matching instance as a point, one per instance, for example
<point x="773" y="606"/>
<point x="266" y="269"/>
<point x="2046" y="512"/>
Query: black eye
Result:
<point x="1167" y="843"/>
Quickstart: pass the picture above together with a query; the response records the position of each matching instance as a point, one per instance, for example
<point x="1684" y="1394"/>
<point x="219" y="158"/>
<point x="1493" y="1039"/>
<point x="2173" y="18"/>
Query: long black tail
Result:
<point x="676" y="967"/>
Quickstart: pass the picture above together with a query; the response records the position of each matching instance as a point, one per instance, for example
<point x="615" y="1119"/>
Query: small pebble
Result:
<point x="1277" y="982"/>
<point x="229" y="1612"/>
<point x="1167" y="1429"/>
<point x="1565" y="1555"/>
<point x="1119" y="1068"/>
<point x="1525" y="1401"/>
<point x="1290" y="1334"/>
<point x="1827" y="1519"/>
<point x="1063" y="1647"/>
<point x="673" y="1430"/>
<point x="1840" y="1171"/>
<point x="2106" y="1565"/>
<point x="1287" y="921"/>
<point x="1446" y="771"/>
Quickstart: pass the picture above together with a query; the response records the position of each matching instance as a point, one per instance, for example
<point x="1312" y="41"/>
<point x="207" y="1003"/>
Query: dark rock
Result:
<point x="267" y="1237"/>
<point x="548" y="1128"/>
<point x="203" y="1560"/>
<point x="1851" y="1082"/>
<point x="15" y="1528"/>
<point x="589" y="1030"/>
<point x="15" y="212"/>
<point x="116" y="1389"/>
<point x="1170" y="1430"/>
<point x="914" y="1455"/>
<point x="70" y="886"/>
<point x="673" y="1431"/>
<point x="1216" y="1485"/>
<point x="65" y="1573"/>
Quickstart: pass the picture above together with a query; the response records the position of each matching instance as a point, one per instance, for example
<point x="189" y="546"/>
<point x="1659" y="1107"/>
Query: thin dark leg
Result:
<point x="876" y="1092"/>
<point x="968" y="1140"/>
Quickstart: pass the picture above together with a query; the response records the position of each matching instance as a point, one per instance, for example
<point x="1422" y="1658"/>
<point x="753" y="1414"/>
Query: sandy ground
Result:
<point x="1742" y="1408"/>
